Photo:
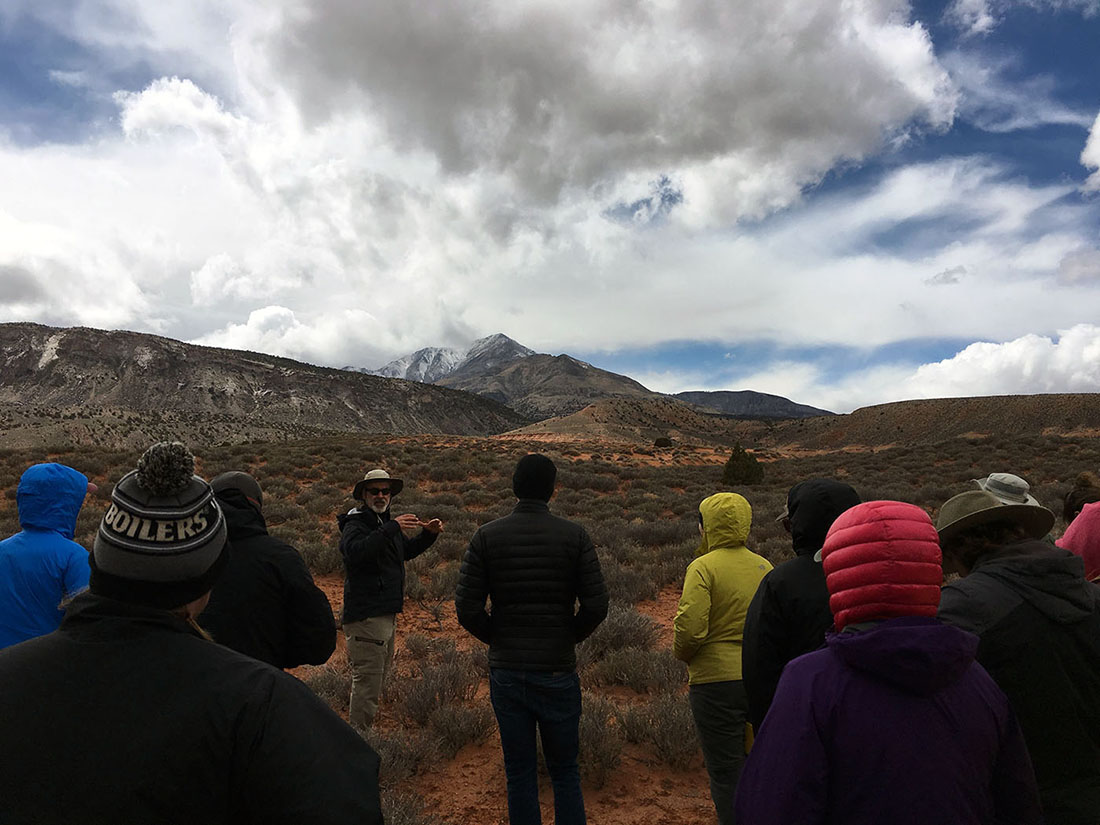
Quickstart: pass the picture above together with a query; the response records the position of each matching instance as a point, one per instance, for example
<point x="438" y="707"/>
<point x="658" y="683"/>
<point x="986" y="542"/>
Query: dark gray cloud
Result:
<point x="18" y="285"/>
<point x="556" y="96"/>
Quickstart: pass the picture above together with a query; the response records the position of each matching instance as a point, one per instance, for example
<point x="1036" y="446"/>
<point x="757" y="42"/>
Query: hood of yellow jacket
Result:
<point x="727" y="518"/>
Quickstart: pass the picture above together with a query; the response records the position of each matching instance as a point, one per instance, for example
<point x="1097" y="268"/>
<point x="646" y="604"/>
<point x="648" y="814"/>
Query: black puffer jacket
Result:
<point x="790" y="612"/>
<point x="126" y="715"/>
<point x="534" y="567"/>
<point x="375" y="551"/>
<point x="265" y="604"/>
<point x="1039" y="625"/>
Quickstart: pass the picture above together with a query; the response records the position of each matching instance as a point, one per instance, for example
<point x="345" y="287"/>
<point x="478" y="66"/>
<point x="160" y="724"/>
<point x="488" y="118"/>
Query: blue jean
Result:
<point x="522" y="700"/>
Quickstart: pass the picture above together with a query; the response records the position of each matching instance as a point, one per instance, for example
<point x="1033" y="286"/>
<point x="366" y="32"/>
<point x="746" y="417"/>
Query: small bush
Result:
<point x="623" y="627"/>
<point x="457" y="725"/>
<point x="662" y="442"/>
<point x="406" y="808"/>
<point x="665" y="723"/>
<point x="601" y="740"/>
<point x="742" y="468"/>
<point x="438" y="686"/>
<point x="402" y="754"/>
<point x="332" y="684"/>
<point x="417" y="645"/>
<point x="643" y="671"/>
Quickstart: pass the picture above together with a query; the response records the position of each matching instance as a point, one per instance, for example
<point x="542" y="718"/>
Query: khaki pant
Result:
<point x="370" y="653"/>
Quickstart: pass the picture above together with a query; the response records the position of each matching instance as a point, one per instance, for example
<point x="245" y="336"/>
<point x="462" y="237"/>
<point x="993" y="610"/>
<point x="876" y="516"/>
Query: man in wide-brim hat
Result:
<point x="1039" y="624"/>
<point x="375" y="550"/>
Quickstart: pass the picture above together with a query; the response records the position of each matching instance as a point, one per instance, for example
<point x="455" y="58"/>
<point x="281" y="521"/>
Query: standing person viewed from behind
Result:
<point x="41" y="565"/>
<point x="707" y="634"/>
<point x="893" y="723"/>
<point x="265" y="604"/>
<point x="789" y="614"/>
<point x="128" y="713"/>
<point x="1039" y="624"/>
<point x="534" y="568"/>
<point x="375" y="550"/>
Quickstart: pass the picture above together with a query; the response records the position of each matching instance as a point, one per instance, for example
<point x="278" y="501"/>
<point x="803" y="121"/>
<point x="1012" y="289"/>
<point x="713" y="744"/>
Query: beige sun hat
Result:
<point x="377" y="474"/>
<point x="977" y="507"/>
<point x="1008" y="488"/>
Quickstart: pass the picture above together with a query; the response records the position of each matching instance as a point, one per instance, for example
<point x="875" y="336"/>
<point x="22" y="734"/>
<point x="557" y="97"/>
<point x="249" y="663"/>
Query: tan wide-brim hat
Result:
<point x="977" y="507"/>
<point x="396" y="484"/>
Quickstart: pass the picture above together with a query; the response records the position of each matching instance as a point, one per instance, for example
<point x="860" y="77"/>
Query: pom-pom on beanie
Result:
<point x="882" y="560"/>
<point x="534" y="477"/>
<point x="162" y="542"/>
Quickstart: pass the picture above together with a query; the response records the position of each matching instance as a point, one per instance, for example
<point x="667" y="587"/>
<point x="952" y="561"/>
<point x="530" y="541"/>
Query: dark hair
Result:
<point x="1086" y="490"/>
<point x="970" y="545"/>
<point x="534" y="477"/>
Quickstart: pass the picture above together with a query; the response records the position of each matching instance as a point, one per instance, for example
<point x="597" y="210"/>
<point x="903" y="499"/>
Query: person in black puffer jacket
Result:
<point x="534" y="567"/>
<point x="375" y="551"/>
<point x="265" y="604"/>
<point x="790" y="613"/>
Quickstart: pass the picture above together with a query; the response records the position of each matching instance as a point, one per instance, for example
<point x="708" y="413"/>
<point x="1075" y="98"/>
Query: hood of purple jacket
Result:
<point x="918" y="655"/>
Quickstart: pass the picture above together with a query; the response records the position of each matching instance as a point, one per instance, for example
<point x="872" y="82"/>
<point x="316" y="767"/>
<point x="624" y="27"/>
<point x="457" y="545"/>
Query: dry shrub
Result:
<point x="623" y="627"/>
<point x="417" y="645"/>
<point x="666" y="724"/>
<point x="402" y="754"/>
<point x="458" y="725"/>
<point x="439" y="685"/>
<point x="627" y="584"/>
<point x="643" y="671"/>
<point x="406" y="808"/>
<point x="601" y="740"/>
<point x="331" y="683"/>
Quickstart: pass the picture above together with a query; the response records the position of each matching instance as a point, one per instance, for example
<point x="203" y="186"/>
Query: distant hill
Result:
<point x="750" y="404"/>
<point x="431" y="364"/>
<point x="541" y="386"/>
<point x="907" y="423"/>
<point x="85" y="385"/>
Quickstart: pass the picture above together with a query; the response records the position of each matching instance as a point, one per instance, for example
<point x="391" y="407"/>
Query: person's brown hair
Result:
<point x="1086" y="490"/>
<point x="970" y="545"/>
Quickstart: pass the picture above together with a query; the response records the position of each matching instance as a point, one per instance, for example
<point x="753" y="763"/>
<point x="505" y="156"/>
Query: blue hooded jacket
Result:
<point x="41" y="565"/>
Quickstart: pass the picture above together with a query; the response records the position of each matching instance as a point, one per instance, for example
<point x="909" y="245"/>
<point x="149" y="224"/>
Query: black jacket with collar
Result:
<point x="265" y="603"/>
<point x="126" y="715"/>
<point x="534" y="567"/>
<point x="1039" y="625"/>
<point x="375" y="551"/>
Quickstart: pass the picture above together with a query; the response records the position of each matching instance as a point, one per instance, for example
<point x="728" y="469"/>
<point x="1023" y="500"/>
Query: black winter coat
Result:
<point x="126" y="715"/>
<point x="789" y="615"/>
<point x="1039" y="625"/>
<point x="375" y="551"/>
<point x="534" y="567"/>
<point x="265" y="603"/>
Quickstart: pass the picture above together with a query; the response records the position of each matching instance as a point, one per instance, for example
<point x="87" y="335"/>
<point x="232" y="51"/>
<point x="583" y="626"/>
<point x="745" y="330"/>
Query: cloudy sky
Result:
<point x="844" y="202"/>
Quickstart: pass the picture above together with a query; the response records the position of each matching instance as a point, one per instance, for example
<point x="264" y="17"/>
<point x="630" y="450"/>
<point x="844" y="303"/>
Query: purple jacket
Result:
<point x="894" y="724"/>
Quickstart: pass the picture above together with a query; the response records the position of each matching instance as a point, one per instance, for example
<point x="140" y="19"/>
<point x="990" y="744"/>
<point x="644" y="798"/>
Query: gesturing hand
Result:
<point x="433" y="526"/>
<point x="408" y="521"/>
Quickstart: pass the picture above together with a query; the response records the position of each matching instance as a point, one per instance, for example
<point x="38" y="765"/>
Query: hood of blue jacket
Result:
<point x="918" y="655"/>
<point x="49" y="497"/>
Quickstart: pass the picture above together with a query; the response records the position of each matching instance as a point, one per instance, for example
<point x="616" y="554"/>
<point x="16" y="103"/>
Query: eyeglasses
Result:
<point x="378" y="491"/>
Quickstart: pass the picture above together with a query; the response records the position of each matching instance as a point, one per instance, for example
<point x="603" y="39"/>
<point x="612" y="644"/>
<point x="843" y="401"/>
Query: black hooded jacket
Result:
<point x="375" y="551"/>
<point x="790" y="613"/>
<point x="265" y="603"/>
<point x="1039" y="625"/>
<point x="126" y="715"/>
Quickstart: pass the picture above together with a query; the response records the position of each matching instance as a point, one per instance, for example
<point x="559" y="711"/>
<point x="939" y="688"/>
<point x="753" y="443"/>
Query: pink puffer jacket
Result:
<point x="882" y="560"/>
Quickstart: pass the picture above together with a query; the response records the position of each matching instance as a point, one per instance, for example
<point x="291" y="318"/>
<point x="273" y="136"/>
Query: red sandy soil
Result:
<point x="469" y="790"/>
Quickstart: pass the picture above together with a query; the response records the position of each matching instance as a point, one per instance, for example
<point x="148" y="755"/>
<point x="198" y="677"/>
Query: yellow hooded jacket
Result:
<point x="718" y="586"/>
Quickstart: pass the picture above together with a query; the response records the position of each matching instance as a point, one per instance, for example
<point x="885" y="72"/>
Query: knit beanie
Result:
<point x="162" y="542"/>
<point x="882" y="560"/>
<point x="534" y="477"/>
